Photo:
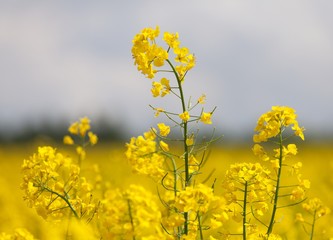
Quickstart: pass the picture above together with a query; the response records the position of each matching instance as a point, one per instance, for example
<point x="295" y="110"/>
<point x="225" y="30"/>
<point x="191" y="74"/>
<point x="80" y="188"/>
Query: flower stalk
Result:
<point x="277" y="188"/>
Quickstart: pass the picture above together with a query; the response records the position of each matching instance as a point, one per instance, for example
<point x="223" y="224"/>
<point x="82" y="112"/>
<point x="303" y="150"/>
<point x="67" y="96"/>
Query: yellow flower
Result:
<point x="202" y="99"/>
<point x="259" y="151"/>
<point x="206" y="118"/>
<point x="84" y="126"/>
<point x="146" y="53"/>
<point x="196" y="198"/>
<point x="93" y="139"/>
<point x="164" y="129"/>
<point x="68" y="140"/>
<point x="171" y="39"/>
<point x="81" y="152"/>
<point x="158" y="111"/>
<point x="185" y="116"/>
<point x="74" y="128"/>
<point x="144" y="157"/>
<point x="181" y="54"/>
<point x="190" y="140"/>
<point x="297" y="193"/>
<point x="272" y="123"/>
<point x="156" y="89"/>
<point x="164" y="146"/>
<point x="193" y="164"/>
<point x="166" y="87"/>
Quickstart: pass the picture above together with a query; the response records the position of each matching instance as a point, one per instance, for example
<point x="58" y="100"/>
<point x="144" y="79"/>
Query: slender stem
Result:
<point x="186" y="155"/>
<point x="244" y="211"/>
<point x="174" y="176"/>
<point x="276" y="196"/>
<point x="131" y="217"/>
<point x="66" y="200"/>
<point x="199" y="226"/>
<point x="313" y="225"/>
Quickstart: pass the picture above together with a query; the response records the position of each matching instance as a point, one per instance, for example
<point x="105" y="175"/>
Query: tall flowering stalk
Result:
<point x="150" y="154"/>
<point x="272" y="126"/>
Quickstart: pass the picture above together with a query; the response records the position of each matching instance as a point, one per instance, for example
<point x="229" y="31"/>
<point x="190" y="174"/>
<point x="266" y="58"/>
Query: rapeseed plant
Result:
<point x="184" y="207"/>
<point x="150" y="154"/>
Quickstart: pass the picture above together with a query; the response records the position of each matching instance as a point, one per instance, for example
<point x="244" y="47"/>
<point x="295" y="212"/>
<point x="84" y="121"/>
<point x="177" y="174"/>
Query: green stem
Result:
<point x="186" y="155"/>
<point x="276" y="196"/>
<point x="131" y="217"/>
<point x="244" y="211"/>
<point x="199" y="225"/>
<point x="313" y="225"/>
<point x="66" y="200"/>
<point x="174" y="176"/>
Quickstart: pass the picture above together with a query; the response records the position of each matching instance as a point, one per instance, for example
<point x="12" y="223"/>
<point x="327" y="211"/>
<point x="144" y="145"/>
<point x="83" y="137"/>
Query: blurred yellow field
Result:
<point x="317" y="167"/>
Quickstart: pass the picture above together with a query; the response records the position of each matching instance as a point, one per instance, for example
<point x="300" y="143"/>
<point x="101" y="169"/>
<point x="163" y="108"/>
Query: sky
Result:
<point x="62" y="60"/>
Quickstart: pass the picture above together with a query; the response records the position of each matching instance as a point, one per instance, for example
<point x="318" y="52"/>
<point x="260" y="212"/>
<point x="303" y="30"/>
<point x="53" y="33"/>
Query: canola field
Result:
<point x="114" y="168"/>
<point x="173" y="181"/>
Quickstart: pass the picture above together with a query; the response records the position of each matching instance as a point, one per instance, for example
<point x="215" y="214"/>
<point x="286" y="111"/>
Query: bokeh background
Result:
<point x="61" y="60"/>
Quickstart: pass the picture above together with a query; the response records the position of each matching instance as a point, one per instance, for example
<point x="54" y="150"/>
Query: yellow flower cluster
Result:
<point x="130" y="214"/>
<point x="53" y="186"/>
<point x="270" y="124"/>
<point x="203" y="206"/>
<point x="144" y="156"/>
<point x="161" y="88"/>
<point x="315" y="207"/>
<point x="249" y="181"/>
<point x="81" y="129"/>
<point x="148" y="54"/>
